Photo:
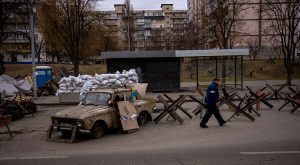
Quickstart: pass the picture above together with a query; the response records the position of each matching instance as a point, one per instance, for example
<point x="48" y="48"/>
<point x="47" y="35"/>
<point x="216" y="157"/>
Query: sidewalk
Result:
<point x="188" y="88"/>
<point x="252" y="84"/>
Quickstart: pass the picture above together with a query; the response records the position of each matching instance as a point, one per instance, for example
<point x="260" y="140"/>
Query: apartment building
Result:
<point x="147" y="29"/>
<point x="194" y="10"/>
<point x="16" y="46"/>
<point x="254" y="29"/>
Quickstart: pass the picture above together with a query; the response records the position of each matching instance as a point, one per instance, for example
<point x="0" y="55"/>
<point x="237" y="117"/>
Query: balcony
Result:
<point x="179" y="17"/>
<point x="16" y="41"/>
<point x="148" y="26"/>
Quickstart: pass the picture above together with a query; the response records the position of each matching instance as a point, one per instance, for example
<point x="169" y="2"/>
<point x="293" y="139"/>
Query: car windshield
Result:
<point x="97" y="98"/>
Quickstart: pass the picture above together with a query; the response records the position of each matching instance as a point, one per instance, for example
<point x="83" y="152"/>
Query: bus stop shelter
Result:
<point x="162" y="70"/>
<point x="218" y="63"/>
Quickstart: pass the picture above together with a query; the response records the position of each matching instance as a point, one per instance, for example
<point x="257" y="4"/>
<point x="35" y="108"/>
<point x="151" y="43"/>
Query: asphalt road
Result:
<point x="273" y="138"/>
<point x="225" y="155"/>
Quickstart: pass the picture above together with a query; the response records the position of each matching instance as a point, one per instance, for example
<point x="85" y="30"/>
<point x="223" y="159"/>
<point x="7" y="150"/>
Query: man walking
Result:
<point x="212" y="97"/>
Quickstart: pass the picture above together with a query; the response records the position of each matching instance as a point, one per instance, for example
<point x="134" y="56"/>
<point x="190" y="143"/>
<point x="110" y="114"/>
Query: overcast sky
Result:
<point x="144" y="4"/>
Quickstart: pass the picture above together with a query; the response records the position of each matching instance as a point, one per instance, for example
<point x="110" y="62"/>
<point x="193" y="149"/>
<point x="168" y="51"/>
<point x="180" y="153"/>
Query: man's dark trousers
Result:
<point x="212" y="110"/>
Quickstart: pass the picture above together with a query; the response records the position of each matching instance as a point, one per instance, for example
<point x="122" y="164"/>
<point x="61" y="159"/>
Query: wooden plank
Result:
<point x="177" y="102"/>
<point x="165" y="112"/>
<point x="185" y="112"/>
<point x="169" y="109"/>
<point x="238" y="110"/>
<point x="128" y="115"/>
<point x="263" y="100"/>
<point x="296" y="102"/>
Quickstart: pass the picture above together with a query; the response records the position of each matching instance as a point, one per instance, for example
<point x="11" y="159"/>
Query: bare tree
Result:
<point x="167" y="38"/>
<point x="39" y="46"/>
<point x="194" y="38"/>
<point x="129" y="24"/>
<point x="22" y="28"/>
<point x="285" y="17"/>
<point x="71" y="22"/>
<point x="223" y="24"/>
<point x="178" y="40"/>
<point x="254" y="47"/>
<point x="196" y="30"/>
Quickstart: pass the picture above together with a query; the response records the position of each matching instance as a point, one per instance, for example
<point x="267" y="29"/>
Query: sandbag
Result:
<point x="87" y="82"/>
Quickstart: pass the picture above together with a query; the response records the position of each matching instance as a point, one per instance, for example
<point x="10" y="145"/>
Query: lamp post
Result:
<point x="32" y="9"/>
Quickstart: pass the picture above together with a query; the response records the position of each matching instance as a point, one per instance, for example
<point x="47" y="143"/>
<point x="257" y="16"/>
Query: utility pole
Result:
<point x="32" y="9"/>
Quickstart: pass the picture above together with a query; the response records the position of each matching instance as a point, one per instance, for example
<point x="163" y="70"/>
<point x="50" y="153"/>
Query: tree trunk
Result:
<point x="52" y="59"/>
<point x="76" y="65"/>
<point x="289" y="76"/>
<point x="39" y="57"/>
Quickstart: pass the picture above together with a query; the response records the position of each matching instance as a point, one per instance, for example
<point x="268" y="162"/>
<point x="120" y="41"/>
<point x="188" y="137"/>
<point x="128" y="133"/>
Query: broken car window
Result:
<point x="97" y="98"/>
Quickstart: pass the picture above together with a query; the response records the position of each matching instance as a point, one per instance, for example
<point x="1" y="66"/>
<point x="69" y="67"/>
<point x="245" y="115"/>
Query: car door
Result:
<point x="115" y="115"/>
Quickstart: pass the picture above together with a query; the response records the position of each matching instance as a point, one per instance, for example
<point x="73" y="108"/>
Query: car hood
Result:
<point x="82" y="111"/>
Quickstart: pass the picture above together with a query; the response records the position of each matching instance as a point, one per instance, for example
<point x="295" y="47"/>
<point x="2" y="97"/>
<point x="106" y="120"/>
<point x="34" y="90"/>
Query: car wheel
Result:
<point x="143" y="118"/>
<point x="99" y="130"/>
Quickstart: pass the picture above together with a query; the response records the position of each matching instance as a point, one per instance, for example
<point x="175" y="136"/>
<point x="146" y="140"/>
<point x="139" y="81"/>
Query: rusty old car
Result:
<point x="98" y="112"/>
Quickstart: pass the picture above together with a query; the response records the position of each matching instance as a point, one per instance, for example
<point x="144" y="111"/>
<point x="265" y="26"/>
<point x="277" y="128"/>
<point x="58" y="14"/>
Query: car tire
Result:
<point x="99" y="130"/>
<point x="142" y="118"/>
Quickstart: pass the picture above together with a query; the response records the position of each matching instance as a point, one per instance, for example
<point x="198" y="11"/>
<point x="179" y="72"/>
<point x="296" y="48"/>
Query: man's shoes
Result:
<point x="203" y="126"/>
<point x="224" y="122"/>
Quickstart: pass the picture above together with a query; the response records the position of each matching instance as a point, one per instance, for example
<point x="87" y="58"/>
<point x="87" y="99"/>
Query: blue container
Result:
<point x="43" y="75"/>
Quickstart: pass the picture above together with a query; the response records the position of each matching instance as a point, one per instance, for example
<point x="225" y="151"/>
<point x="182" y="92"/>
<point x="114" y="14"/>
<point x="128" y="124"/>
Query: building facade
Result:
<point x="253" y="31"/>
<point x="16" y="46"/>
<point x="194" y="9"/>
<point x="147" y="29"/>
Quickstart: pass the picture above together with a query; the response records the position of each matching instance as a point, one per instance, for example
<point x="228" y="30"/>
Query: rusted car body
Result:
<point x="98" y="112"/>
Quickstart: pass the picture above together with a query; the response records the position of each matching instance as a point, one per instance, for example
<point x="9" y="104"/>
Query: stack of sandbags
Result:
<point x="127" y="78"/>
<point x="84" y="83"/>
<point x="71" y="84"/>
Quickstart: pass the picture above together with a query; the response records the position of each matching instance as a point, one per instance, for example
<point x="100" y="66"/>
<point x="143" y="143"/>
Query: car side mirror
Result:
<point x="109" y="102"/>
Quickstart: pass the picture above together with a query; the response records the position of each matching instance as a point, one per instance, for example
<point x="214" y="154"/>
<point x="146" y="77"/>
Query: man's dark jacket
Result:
<point x="212" y="95"/>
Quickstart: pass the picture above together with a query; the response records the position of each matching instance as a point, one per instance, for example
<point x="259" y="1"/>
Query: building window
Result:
<point x="147" y="33"/>
<point x="25" y="56"/>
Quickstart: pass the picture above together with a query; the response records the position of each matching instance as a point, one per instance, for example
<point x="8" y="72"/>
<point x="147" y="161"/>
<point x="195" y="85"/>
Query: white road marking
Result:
<point x="270" y="152"/>
<point x="33" y="157"/>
